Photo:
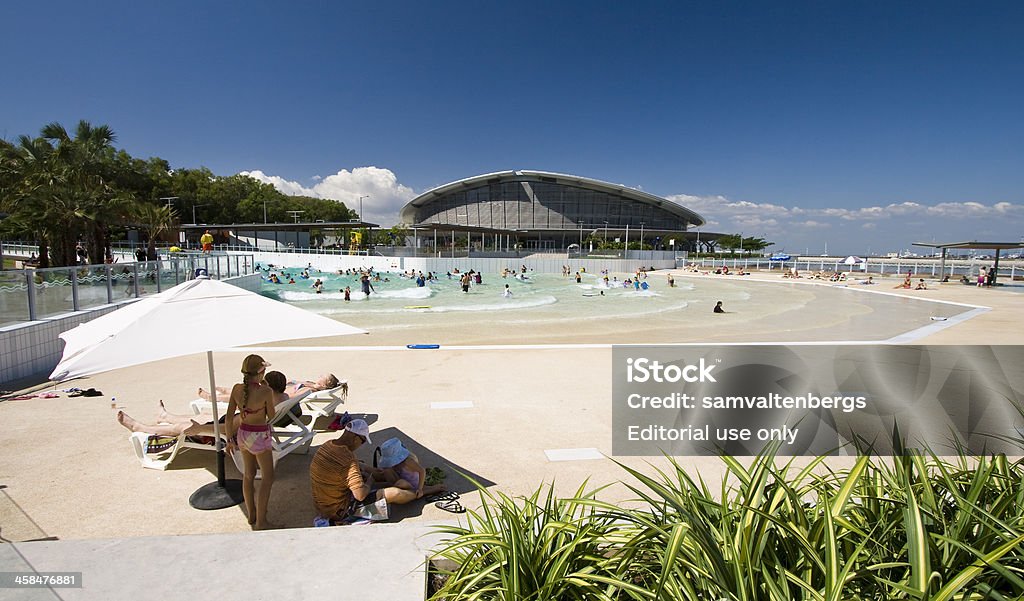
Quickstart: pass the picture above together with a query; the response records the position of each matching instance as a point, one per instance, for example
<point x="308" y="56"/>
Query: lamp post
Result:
<point x="361" y="206"/>
<point x="194" y="222"/>
<point x="641" y="235"/>
<point x="264" y="211"/>
<point x="606" y="233"/>
<point x="168" y="199"/>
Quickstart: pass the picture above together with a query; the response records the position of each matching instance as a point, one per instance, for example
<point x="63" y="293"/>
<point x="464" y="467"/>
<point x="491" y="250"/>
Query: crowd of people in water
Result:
<point x="367" y="276"/>
<point x="637" y="282"/>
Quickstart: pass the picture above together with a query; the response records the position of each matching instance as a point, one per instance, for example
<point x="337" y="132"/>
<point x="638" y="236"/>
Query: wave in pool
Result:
<point x="357" y="295"/>
<point x="503" y="305"/>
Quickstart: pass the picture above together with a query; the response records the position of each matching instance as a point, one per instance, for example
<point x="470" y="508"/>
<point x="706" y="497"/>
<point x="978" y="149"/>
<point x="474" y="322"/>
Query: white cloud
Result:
<point x="385" y="195"/>
<point x="882" y="227"/>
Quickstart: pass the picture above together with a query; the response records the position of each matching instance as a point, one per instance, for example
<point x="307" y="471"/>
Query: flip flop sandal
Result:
<point x="451" y="506"/>
<point x="444" y="496"/>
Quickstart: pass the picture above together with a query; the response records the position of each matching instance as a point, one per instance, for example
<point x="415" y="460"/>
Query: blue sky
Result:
<point x="866" y="125"/>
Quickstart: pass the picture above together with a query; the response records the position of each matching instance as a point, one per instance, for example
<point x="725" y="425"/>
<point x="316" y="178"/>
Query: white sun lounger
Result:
<point x="292" y="436"/>
<point x="160" y="460"/>
<point x="324" y="402"/>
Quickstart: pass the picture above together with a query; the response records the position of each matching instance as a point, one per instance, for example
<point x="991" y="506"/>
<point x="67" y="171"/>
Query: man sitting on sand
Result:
<point x="339" y="483"/>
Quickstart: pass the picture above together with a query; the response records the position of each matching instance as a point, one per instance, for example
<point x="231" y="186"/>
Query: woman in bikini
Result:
<point x="254" y="400"/>
<point x="174" y="424"/>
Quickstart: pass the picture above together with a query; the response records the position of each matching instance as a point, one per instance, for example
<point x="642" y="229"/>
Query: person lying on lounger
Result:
<point x="292" y="387"/>
<point x="174" y="424"/>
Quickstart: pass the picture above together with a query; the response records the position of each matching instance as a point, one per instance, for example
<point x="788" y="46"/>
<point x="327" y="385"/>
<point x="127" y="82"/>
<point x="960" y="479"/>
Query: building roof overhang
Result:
<point x="409" y="210"/>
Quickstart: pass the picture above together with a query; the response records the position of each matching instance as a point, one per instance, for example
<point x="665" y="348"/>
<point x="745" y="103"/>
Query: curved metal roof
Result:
<point x="408" y="212"/>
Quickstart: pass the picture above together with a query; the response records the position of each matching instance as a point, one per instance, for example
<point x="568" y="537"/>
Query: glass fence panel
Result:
<point x="13" y="297"/>
<point x="123" y="282"/>
<point x="53" y="291"/>
<point x="92" y="287"/>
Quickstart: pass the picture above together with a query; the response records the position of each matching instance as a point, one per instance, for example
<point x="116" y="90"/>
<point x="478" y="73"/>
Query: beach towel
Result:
<point x="159" y="444"/>
<point x="89" y="392"/>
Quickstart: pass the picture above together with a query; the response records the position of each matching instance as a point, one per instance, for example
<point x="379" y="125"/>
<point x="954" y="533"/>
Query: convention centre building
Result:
<point x="541" y="210"/>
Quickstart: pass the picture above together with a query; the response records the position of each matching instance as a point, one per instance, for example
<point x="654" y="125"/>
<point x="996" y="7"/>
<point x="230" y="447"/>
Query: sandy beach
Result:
<point x="69" y="472"/>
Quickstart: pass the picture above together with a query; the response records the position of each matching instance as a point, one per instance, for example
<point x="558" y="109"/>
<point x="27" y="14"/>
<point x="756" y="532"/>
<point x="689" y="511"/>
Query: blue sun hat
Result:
<point x="392" y="452"/>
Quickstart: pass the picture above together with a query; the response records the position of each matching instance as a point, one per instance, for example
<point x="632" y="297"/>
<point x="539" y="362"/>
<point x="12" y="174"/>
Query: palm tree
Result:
<point x="83" y="200"/>
<point x="23" y="178"/>
<point x="56" y="188"/>
<point x="157" y="219"/>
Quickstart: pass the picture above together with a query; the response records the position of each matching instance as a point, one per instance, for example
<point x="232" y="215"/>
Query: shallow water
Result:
<point x="547" y="308"/>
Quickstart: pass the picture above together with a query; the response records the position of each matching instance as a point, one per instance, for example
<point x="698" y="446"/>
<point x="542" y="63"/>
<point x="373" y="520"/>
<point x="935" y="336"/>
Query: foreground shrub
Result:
<point x="912" y="527"/>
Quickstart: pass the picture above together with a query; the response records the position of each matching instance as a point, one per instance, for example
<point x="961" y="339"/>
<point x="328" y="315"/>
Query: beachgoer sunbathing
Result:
<point x="175" y="424"/>
<point x="293" y="387"/>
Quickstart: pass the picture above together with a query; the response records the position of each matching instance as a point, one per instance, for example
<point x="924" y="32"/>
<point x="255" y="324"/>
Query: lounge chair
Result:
<point x="293" y="436"/>
<point x="140" y="442"/>
<point x="324" y="402"/>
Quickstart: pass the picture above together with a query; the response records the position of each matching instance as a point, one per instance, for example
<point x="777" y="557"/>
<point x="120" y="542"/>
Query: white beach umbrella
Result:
<point x="196" y="316"/>
<point x="853" y="260"/>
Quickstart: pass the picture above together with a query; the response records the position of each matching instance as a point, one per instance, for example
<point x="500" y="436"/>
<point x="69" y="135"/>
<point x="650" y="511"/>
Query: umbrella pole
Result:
<point x="222" y="493"/>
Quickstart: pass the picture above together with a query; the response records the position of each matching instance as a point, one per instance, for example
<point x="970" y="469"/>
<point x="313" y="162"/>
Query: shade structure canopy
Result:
<point x="196" y="316"/>
<point x="853" y="260"/>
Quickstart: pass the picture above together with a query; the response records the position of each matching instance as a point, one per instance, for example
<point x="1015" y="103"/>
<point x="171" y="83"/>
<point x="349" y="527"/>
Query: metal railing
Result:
<point x="33" y="294"/>
<point x="954" y="268"/>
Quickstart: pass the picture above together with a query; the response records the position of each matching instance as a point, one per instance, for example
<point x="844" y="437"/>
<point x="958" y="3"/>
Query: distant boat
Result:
<point x="780" y="257"/>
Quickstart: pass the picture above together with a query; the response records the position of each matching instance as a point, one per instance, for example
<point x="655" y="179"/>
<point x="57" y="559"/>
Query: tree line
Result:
<point x="63" y="188"/>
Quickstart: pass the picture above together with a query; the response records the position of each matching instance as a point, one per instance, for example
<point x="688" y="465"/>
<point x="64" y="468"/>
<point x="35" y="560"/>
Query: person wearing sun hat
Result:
<point x="336" y="479"/>
<point x="400" y="469"/>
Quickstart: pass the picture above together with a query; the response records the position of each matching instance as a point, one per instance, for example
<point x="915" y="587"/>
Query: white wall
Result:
<point x="538" y="263"/>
